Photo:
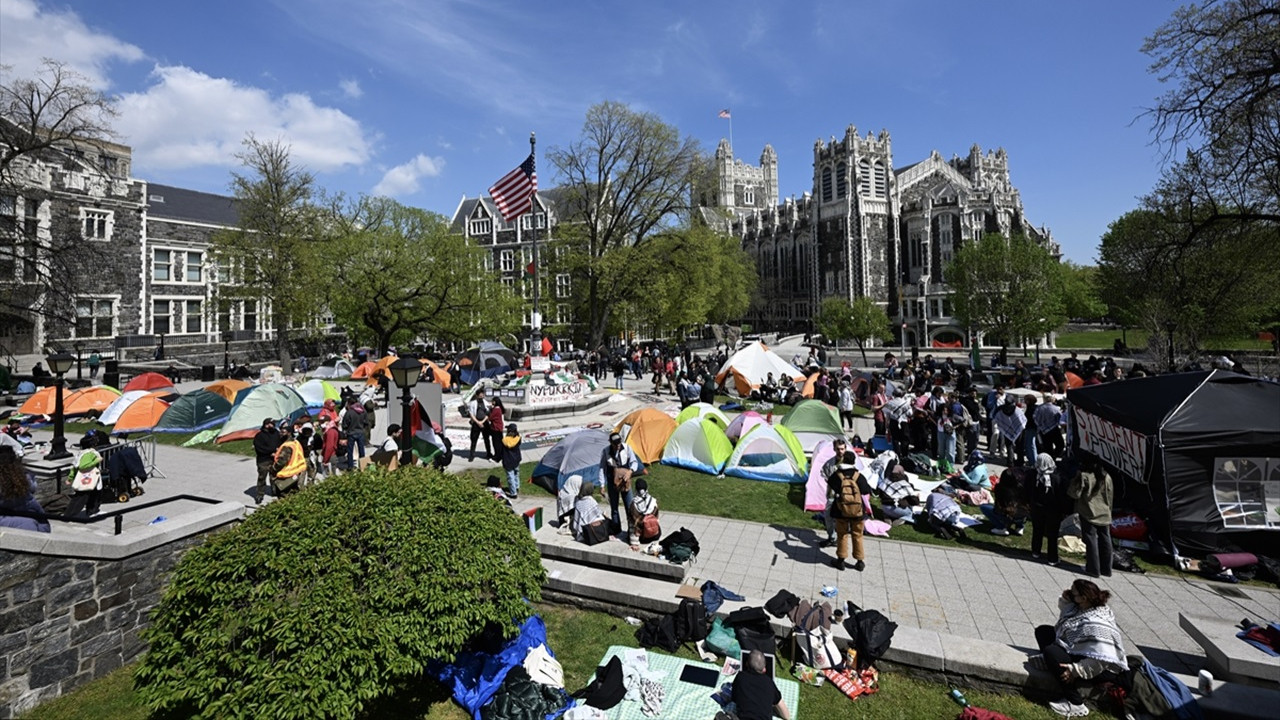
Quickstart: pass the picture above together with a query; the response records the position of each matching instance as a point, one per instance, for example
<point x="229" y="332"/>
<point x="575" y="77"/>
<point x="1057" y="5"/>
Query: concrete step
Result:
<point x="611" y="555"/>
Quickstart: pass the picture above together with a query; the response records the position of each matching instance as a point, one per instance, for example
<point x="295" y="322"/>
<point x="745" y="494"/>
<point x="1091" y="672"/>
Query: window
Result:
<point x="110" y="165"/>
<point x="251" y="315"/>
<point x="95" y="317"/>
<point x="864" y="177"/>
<point x="162" y="265"/>
<point x="194" y="314"/>
<point x="510" y="282"/>
<point x="1247" y="491"/>
<point x="749" y="196"/>
<point x="224" y="316"/>
<point x="881" y="180"/>
<point x="161" y="314"/>
<point x="826" y="184"/>
<point x="96" y="224"/>
<point x="222" y="271"/>
<point x="563" y="285"/>
<point x="842" y="182"/>
<point x="481" y="226"/>
<point x="507" y="260"/>
<point x="562" y="314"/>
<point x="8" y="212"/>
<point x="195" y="267"/>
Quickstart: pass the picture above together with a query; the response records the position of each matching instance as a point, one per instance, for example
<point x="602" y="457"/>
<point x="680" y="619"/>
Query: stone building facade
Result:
<point x="866" y="229"/>
<point x="509" y="254"/>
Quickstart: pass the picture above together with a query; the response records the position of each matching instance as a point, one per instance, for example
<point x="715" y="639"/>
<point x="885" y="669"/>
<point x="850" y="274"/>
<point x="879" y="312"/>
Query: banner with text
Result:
<point x="555" y="394"/>
<point x="1116" y="445"/>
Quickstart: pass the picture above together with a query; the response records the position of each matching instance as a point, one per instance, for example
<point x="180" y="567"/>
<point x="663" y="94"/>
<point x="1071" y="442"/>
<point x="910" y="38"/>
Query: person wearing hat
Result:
<point x="511" y="458"/>
<point x="265" y="443"/>
<point x="619" y="462"/>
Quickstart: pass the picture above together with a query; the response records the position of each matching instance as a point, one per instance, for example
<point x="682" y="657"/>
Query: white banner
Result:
<point x="1118" y="446"/>
<point x="555" y="394"/>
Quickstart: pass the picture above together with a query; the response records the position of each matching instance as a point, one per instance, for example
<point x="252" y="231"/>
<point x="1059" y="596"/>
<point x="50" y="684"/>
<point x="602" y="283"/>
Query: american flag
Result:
<point x="513" y="194"/>
<point x="725" y="114"/>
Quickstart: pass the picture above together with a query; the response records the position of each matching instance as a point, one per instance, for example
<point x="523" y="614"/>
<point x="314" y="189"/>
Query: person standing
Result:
<point x="1009" y="420"/>
<point x="265" y="443"/>
<point x="95" y="362"/>
<point x="619" y="462"/>
<point x="289" y="465"/>
<point x="478" y="414"/>
<point x="1046" y="508"/>
<point x="755" y="696"/>
<point x="496" y="427"/>
<point x="849" y="486"/>
<point x="511" y="458"/>
<point x="838" y="446"/>
<point x="844" y="403"/>
<point x="353" y="427"/>
<point x="330" y="450"/>
<point x="1049" y="424"/>
<point x="1092" y="490"/>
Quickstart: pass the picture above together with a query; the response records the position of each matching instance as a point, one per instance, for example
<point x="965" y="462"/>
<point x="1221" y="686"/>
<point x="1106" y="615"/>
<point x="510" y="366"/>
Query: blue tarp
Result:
<point x="474" y="677"/>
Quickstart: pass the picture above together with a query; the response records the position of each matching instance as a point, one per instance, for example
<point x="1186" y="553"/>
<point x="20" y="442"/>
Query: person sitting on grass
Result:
<point x="755" y="695"/>
<point x="943" y="514"/>
<point x="1083" y="646"/>
<point x="898" y="497"/>
<point x="1009" y="513"/>
<point x="974" y="475"/>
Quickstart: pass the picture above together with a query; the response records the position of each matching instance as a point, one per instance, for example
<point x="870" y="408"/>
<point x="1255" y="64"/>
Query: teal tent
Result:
<point x="193" y="412"/>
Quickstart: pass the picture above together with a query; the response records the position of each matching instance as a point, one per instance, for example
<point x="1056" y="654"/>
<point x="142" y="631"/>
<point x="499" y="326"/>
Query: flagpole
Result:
<point x="535" y="344"/>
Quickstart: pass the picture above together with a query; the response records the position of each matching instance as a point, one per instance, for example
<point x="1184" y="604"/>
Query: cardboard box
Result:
<point x="533" y="519"/>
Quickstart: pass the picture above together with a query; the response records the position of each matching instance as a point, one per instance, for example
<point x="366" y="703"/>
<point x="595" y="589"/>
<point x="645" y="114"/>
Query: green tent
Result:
<point x="258" y="402"/>
<point x="193" y="412"/>
<point x="813" y="421"/>
<point x="703" y="410"/>
<point x="698" y="444"/>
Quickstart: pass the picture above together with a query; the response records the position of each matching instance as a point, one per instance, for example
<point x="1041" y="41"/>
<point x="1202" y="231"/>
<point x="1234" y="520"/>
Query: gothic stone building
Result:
<point x="866" y="229"/>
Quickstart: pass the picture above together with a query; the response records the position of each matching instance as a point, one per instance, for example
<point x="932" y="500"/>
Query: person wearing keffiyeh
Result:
<point x="1084" y="645"/>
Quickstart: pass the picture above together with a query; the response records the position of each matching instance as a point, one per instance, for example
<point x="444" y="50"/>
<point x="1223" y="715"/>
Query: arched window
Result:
<point x="881" y="180"/>
<point x="826" y="184"/>
<point x="842" y="181"/>
<point x="864" y="177"/>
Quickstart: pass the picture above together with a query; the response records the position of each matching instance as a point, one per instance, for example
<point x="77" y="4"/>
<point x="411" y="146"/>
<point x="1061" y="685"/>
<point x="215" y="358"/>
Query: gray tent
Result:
<point x="333" y="368"/>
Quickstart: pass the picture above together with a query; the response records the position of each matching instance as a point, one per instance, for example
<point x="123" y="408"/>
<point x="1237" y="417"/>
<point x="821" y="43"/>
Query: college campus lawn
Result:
<point x="579" y="639"/>
<point x="1136" y="341"/>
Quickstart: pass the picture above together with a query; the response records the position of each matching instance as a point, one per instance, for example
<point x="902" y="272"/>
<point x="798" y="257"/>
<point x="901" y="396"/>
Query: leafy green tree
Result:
<point x="1214" y="289"/>
<point x="1009" y="288"/>
<point x="1080" y="292"/>
<point x="277" y="254"/>
<point x="860" y="321"/>
<point x="398" y="273"/>
<point x="324" y="602"/>
<point x="1223" y="109"/>
<point x="625" y="180"/>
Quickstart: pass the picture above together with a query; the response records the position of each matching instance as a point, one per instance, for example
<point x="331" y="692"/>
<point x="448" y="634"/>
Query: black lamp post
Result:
<point x="60" y="364"/>
<point x="79" y="346"/>
<point x="404" y="372"/>
<point x="226" y="353"/>
<point x="1169" y="325"/>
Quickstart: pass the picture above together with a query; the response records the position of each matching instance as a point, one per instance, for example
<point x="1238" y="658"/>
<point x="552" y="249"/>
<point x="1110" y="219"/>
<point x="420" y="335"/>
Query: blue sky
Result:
<point x="431" y="100"/>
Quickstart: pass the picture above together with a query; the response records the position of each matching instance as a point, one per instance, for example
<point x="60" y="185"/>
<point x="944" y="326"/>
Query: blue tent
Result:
<point x="579" y="453"/>
<point x="488" y="359"/>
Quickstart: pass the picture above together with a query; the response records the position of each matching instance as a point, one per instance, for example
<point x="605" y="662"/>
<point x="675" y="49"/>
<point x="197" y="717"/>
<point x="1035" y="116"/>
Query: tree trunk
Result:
<point x="863" y="349"/>
<point x="281" y="341"/>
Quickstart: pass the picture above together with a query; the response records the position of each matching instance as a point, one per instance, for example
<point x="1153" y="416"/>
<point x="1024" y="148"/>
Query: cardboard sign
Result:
<point x="1116" y="445"/>
<point x="556" y="394"/>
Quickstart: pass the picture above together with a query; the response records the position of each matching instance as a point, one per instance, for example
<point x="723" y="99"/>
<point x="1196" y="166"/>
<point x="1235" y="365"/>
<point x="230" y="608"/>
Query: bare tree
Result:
<point x="44" y="120"/>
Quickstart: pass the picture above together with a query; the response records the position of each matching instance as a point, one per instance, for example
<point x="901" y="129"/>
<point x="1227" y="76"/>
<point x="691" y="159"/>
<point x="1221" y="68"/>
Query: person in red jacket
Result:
<point x="330" y="450"/>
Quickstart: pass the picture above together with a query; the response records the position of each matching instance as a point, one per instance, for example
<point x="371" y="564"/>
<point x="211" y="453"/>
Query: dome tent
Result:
<point x="576" y="454"/>
<point x="646" y="432"/>
<point x="767" y="453"/>
<point x="813" y="421"/>
<point x="316" y="391"/>
<point x="703" y="410"/>
<point x="750" y="366"/>
<point x="698" y="444"/>
<point x="193" y="412"/>
<point x="743" y="423"/>
<point x="333" y="368"/>
<point x="255" y="404"/>
<point x="488" y="359"/>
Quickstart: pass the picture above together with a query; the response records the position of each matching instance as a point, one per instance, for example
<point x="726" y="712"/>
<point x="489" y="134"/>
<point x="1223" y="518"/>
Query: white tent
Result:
<point x="120" y="404"/>
<point x="751" y="365"/>
<point x="766" y="453"/>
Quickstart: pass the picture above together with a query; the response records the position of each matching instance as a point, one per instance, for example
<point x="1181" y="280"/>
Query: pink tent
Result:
<point x="743" y="423"/>
<point x="815" y="491"/>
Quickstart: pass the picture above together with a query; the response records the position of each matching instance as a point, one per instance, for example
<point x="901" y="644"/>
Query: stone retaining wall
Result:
<point x="66" y="619"/>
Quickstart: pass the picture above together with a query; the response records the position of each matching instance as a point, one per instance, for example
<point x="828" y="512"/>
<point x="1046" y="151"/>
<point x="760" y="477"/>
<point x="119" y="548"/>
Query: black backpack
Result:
<point x="683" y="537"/>
<point x="871" y="632"/>
<point x="691" y="621"/>
<point x="658" y="632"/>
<point x="607" y="690"/>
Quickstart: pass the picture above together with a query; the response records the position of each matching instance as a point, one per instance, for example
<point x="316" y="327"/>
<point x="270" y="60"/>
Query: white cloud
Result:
<point x="351" y="88"/>
<point x="187" y="119"/>
<point x="29" y="33"/>
<point x="403" y="179"/>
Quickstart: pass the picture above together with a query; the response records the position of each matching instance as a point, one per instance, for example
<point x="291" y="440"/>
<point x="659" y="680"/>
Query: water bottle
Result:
<point x="633" y="621"/>
<point x="829" y="591"/>
<point x="959" y="697"/>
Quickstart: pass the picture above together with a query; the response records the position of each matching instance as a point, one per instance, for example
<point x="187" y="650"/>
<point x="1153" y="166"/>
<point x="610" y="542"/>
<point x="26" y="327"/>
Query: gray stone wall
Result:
<point x="66" y="621"/>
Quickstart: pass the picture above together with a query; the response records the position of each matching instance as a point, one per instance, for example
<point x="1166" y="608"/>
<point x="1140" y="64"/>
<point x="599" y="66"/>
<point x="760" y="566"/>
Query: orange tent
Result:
<point x="379" y="368"/>
<point x="41" y="403"/>
<point x="440" y="372"/>
<point x="364" y="370"/>
<point x="141" y="416"/>
<point x="1074" y="380"/>
<point x="148" y="381"/>
<point x="647" y="432"/>
<point x="91" y="399"/>
<point x="226" y="388"/>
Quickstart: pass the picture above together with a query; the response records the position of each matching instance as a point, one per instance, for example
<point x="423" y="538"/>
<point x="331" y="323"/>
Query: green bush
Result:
<point x="322" y="602"/>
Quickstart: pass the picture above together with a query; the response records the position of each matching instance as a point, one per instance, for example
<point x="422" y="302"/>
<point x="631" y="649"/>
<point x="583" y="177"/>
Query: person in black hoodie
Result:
<point x="265" y="443"/>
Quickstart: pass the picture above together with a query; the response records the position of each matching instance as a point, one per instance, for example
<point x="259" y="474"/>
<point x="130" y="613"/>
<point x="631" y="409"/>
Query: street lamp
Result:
<point x="79" y="346"/>
<point x="1169" y="326"/>
<point x="404" y="372"/>
<point x="226" y="353"/>
<point x="60" y="364"/>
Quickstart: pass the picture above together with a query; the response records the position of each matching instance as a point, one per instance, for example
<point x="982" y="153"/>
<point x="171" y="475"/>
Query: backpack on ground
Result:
<point x="691" y="621"/>
<point x="680" y="546"/>
<point x="607" y="690"/>
<point x="658" y="632"/>
<point x="871" y="632"/>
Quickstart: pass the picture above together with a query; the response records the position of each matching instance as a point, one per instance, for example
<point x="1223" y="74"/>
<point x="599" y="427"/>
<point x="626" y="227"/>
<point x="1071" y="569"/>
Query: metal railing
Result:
<point x="116" y="515"/>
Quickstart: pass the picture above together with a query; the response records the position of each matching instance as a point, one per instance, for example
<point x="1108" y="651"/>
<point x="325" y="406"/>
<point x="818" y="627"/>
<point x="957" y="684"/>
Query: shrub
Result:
<point x="328" y="599"/>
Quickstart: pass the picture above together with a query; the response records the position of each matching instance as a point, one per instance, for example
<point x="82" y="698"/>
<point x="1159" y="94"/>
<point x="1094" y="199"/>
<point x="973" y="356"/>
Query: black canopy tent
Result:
<point x="1197" y="454"/>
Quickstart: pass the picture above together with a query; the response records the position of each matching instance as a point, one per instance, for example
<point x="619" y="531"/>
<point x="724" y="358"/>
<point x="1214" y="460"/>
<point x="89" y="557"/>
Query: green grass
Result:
<point x="1137" y="341"/>
<point x="236" y="447"/>
<point x="579" y="639"/>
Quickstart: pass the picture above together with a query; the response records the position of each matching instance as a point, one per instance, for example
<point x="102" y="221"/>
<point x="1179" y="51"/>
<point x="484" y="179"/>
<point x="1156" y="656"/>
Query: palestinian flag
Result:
<point x="427" y="436"/>
<point x="529" y="272"/>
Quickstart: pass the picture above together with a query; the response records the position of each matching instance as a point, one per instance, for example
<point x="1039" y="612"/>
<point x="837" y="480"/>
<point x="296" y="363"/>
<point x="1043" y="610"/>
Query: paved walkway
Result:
<point x="949" y="589"/>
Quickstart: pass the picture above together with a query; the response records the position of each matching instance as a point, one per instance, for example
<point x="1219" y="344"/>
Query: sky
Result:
<point x="428" y="101"/>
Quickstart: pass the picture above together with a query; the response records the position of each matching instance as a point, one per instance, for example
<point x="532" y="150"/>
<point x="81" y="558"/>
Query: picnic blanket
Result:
<point x="682" y="700"/>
